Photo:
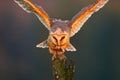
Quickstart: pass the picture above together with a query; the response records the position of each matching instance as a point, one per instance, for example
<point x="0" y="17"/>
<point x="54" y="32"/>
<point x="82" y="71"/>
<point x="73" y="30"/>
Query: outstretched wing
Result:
<point x="78" y="21"/>
<point x="38" y="11"/>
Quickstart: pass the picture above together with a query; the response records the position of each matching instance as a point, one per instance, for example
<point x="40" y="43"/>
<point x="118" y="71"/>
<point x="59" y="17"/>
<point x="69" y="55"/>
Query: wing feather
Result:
<point x="78" y="21"/>
<point x="38" y="11"/>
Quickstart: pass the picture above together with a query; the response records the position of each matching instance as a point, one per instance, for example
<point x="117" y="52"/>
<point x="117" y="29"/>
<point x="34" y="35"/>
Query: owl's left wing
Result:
<point x="38" y="11"/>
<point x="78" y="21"/>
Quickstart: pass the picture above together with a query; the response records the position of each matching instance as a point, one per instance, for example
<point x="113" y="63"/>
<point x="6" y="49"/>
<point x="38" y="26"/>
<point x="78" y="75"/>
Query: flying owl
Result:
<point x="60" y="31"/>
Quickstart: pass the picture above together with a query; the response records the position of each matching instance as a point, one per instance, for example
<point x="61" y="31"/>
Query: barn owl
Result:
<point x="60" y="31"/>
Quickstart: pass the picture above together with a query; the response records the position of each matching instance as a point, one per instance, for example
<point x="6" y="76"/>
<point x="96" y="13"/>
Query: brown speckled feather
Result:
<point x="38" y="11"/>
<point x="79" y="19"/>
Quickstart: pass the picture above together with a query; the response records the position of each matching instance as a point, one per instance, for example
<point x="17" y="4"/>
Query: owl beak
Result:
<point x="59" y="48"/>
<point x="58" y="43"/>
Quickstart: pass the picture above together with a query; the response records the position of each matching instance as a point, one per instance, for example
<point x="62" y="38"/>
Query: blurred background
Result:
<point x="97" y="43"/>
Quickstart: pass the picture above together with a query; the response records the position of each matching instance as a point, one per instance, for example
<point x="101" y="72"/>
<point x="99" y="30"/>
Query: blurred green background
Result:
<point x="97" y="43"/>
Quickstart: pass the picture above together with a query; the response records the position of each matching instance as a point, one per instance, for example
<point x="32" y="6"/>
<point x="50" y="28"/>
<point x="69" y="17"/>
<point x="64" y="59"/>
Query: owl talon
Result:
<point x="54" y="57"/>
<point x="62" y="57"/>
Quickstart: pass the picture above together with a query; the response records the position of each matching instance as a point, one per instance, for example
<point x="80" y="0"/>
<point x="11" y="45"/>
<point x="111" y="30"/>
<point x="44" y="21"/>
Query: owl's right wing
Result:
<point x="79" y="19"/>
<point x="38" y="11"/>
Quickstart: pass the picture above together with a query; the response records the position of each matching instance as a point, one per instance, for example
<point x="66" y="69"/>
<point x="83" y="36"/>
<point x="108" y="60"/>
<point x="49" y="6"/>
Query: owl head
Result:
<point x="59" y="32"/>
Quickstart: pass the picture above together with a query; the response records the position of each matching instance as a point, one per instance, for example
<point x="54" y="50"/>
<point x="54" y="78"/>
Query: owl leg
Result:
<point x="52" y="51"/>
<point x="56" y="55"/>
<point x="42" y="44"/>
<point x="61" y="56"/>
<point x="70" y="47"/>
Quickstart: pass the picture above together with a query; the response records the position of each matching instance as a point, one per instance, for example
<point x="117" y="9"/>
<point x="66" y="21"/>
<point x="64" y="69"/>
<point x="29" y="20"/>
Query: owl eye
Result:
<point x="62" y="38"/>
<point x="55" y="38"/>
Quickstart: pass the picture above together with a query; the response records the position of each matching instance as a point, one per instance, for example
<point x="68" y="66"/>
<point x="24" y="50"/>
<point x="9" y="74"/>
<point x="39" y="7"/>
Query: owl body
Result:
<point x="60" y="31"/>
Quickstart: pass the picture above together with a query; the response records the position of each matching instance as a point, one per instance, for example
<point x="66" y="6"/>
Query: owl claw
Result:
<point x="61" y="57"/>
<point x="42" y="45"/>
<point x="54" y="57"/>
